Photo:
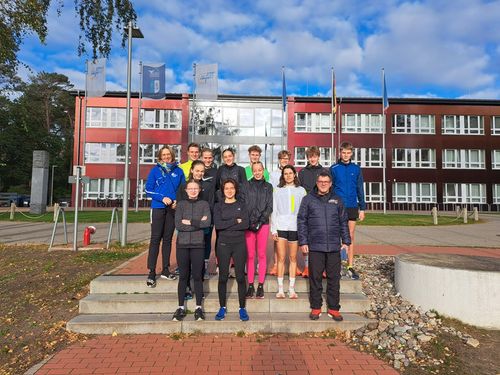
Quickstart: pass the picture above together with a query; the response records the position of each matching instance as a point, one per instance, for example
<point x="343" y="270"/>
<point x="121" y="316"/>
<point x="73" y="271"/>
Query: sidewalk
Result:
<point x="213" y="354"/>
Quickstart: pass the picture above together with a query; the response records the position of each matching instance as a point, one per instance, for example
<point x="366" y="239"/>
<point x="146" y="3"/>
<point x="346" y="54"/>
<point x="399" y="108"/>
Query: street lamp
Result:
<point x="132" y="33"/>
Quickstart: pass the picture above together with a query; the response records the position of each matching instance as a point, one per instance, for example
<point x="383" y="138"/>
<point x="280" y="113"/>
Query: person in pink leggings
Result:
<point x="259" y="202"/>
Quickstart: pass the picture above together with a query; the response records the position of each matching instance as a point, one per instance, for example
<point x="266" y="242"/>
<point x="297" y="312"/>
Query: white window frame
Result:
<point x="105" y="153"/>
<point x="366" y="158"/>
<point x="463" y="193"/>
<point x="495" y="125"/>
<point x="362" y="123"/>
<point x="164" y="119"/>
<point x="413" y="158"/>
<point x="313" y="123"/>
<point x="462" y="159"/>
<point x="106" y="117"/>
<point x="413" y="192"/>
<point x="412" y="124"/>
<point x="496" y="193"/>
<point x="325" y="158"/>
<point x="495" y="159"/>
<point x="152" y="152"/>
<point x="370" y="195"/>
<point x="107" y="188"/>
<point x="462" y="125"/>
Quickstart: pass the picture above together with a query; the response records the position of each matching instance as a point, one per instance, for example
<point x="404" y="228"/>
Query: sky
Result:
<point x="434" y="48"/>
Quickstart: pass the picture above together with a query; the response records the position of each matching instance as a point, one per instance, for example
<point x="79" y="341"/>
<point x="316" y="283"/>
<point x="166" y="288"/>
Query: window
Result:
<point x="325" y="158"/>
<point x="368" y="157"/>
<point x="495" y="159"/>
<point x="413" y="192"/>
<point x="464" y="193"/>
<point x="414" y="158"/>
<point x="361" y="123"/>
<point x="414" y="124"/>
<point x="496" y="193"/>
<point x="373" y="192"/>
<point x="495" y="125"/>
<point x="313" y="122"/>
<point x="104" y="188"/>
<point x="105" y="153"/>
<point x="106" y="117"/>
<point x="469" y="159"/>
<point x="161" y="119"/>
<point x="472" y="125"/>
<point x="148" y="152"/>
<point x="142" y="193"/>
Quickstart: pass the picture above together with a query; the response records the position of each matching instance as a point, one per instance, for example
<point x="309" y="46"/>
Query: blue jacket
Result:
<point x="322" y="222"/>
<point x="163" y="183"/>
<point x="348" y="184"/>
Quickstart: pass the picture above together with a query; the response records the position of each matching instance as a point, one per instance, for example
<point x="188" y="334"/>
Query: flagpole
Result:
<point x="194" y="103"/>
<point x="333" y="118"/>
<point x="138" y="175"/>
<point x="339" y="126"/>
<point x="82" y="193"/>
<point x="384" y="153"/>
<point x="283" y="119"/>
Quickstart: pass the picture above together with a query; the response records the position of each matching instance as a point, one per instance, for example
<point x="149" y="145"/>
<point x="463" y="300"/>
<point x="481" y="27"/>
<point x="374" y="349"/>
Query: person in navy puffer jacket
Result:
<point x="348" y="185"/>
<point x="322" y="231"/>
<point x="161" y="186"/>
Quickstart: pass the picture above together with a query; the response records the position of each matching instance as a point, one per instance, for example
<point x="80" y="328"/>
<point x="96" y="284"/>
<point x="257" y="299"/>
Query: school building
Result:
<point x="439" y="152"/>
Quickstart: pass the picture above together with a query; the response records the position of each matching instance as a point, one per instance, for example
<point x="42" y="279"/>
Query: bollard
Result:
<point x="476" y="214"/>
<point x="464" y="210"/>
<point x="434" y="212"/>
<point x="12" y="210"/>
<point x="457" y="210"/>
<point x="56" y="208"/>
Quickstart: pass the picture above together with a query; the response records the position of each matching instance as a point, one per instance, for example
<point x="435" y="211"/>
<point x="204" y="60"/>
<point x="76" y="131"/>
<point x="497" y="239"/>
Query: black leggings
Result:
<point x="189" y="259"/>
<point x="162" y="229"/>
<point x="224" y="252"/>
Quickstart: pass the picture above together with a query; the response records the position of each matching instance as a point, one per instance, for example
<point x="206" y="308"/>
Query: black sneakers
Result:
<point x="352" y="274"/>
<point x="179" y="315"/>
<point x="199" y="314"/>
<point x="260" y="291"/>
<point x="151" y="281"/>
<point x="168" y="275"/>
<point x="250" y="291"/>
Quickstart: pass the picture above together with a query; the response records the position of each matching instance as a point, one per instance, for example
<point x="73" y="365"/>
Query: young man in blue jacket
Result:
<point x="348" y="185"/>
<point x="322" y="230"/>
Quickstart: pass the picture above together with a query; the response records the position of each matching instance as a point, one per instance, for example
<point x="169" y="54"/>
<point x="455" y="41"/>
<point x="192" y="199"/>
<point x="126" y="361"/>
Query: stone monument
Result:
<point x="39" y="182"/>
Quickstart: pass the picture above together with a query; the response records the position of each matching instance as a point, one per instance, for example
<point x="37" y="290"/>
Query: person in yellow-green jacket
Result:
<point x="193" y="153"/>
<point x="254" y="153"/>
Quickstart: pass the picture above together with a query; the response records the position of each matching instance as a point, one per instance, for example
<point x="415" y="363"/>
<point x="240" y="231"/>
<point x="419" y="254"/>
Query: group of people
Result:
<point x="314" y="210"/>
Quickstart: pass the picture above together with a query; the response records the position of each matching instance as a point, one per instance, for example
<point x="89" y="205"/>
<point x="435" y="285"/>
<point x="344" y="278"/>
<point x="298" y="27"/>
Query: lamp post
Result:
<point x="132" y="33"/>
<point x="52" y="186"/>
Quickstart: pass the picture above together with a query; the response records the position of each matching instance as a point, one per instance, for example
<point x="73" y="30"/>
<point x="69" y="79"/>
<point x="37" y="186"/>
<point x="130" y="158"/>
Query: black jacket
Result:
<point x="308" y="175"/>
<point x="192" y="235"/>
<point x="322" y="221"/>
<point x="235" y="172"/>
<point x="207" y="193"/>
<point x="225" y="215"/>
<point x="259" y="201"/>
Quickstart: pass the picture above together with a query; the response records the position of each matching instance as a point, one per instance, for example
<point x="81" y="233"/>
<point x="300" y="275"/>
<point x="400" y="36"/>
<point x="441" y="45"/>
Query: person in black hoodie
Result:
<point x="259" y="201"/>
<point x="231" y="220"/>
<point x="192" y="215"/>
<point x="229" y="169"/>
<point x="307" y="179"/>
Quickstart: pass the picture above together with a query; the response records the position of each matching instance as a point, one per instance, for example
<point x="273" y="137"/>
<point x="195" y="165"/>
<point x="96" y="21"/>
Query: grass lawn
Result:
<point x="392" y="219"/>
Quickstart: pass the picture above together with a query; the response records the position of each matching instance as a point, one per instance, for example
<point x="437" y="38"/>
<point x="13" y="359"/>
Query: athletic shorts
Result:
<point x="289" y="235"/>
<point x="353" y="214"/>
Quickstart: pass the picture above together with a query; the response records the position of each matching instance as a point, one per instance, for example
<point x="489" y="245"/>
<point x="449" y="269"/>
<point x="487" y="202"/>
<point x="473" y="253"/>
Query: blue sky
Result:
<point x="439" y="48"/>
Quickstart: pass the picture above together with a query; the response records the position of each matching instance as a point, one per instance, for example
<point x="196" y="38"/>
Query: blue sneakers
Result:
<point x="243" y="314"/>
<point x="221" y="314"/>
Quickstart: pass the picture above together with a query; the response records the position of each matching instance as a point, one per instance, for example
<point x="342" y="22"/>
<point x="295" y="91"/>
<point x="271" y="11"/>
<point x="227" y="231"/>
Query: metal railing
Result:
<point x="114" y="214"/>
<point x="56" y="221"/>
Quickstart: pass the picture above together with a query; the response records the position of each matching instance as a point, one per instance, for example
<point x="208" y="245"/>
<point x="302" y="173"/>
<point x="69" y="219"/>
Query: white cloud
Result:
<point x="488" y="93"/>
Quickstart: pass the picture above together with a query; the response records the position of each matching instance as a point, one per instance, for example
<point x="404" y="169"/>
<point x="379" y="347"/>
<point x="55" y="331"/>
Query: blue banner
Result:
<point x="153" y="81"/>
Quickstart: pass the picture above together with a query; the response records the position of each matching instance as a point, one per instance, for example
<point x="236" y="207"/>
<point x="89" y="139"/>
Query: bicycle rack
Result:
<point x="115" y="211"/>
<point x="56" y="221"/>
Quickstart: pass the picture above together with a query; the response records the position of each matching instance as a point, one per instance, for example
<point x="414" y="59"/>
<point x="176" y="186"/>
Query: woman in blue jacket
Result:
<point x="161" y="186"/>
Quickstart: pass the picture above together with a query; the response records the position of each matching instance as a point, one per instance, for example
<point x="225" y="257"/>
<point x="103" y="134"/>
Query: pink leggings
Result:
<point x="258" y="239"/>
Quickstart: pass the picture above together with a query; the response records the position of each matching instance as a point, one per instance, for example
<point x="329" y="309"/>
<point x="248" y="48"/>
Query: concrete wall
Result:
<point x="473" y="297"/>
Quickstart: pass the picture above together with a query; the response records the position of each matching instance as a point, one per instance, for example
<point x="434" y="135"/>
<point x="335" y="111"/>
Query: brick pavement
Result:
<point x="210" y="354"/>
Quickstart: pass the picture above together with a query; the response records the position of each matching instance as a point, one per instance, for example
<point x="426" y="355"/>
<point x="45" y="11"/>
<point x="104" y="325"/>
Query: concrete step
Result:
<point x="137" y="284"/>
<point x="167" y="303"/>
<point x="161" y="323"/>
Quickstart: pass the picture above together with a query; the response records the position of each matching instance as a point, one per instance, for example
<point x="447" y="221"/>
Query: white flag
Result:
<point x="96" y="78"/>
<point x="206" y="79"/>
